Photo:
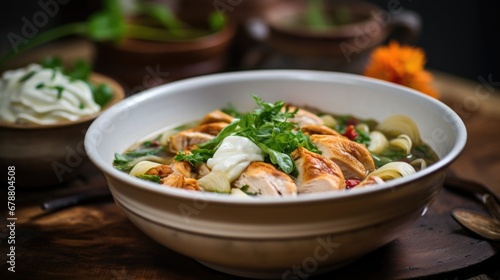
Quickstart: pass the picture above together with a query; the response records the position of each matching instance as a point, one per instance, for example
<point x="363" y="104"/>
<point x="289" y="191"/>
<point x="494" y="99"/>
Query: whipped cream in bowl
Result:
<point x="44" y="115"/>
<point x="37" y="95"/>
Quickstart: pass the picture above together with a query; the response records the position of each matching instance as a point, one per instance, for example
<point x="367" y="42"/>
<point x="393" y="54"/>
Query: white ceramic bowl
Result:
<point x="273" y="237"/>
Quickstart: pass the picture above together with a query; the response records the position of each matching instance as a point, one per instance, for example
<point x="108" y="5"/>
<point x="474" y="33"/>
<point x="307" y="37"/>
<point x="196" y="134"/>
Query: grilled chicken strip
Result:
<point x="216" y="116"/>
<point x="318" y="129"/>
<point x="304" y="117"/>
<point x="316" y="172"/>
<point x="353" y="158"/>
<point x="184" y="168"/>
<point x="212" y="128"/>
<point x="161" y="171"/>
<point x="187" y="140"/>
<point x="177" y="180"/>
<point x="263" y="178"/>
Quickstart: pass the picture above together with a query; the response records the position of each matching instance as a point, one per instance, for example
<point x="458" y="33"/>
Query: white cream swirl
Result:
<point x="234" y="155"/>
<point x="43" y="96"/>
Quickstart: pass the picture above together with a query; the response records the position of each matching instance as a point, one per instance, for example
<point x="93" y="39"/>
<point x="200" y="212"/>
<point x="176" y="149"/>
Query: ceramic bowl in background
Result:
<point x="49" y="155"/>
<point x="271" y="237"/>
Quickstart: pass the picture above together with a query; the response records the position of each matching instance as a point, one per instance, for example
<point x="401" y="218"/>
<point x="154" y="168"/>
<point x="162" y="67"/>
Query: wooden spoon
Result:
<point x="483" y="225"/>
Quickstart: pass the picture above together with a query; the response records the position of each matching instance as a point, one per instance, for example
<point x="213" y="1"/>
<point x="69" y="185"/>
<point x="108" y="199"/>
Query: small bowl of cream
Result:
<point x="44" y="115"/>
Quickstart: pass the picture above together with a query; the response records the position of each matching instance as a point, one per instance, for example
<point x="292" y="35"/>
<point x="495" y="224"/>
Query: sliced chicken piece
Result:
<point x="177" y="180"/>
<point x="316" y="172"/>
<point x="353" y="158"/>
<point x="304" y="117"/>
<point x="318" y="129"/>
<point x="210" y="128"/>
<point x="264" y="179"/>
<point x="186" y="140"/>
<point x="216" y="116"/>
<point x="162" y="171"/>
<point x="184" y="168"/>
<point x="202" y="170"/>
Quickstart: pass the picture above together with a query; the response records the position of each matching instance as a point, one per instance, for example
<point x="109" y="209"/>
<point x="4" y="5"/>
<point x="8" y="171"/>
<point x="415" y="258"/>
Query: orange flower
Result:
<point x="402" y="65"/>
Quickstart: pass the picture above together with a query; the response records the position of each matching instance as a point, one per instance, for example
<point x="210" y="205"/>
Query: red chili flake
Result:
<point x="351" y="121"/>
<point x="155" y="143"/>
<point x="351" y="183"/>
<point x="350" y="132"/>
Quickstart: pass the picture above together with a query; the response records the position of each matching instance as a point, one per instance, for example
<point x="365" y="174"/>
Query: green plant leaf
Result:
<point x="268" y="127"/>
<point x="108" y="24"/>
<point x="217" y="21"/>
<point x="102" y="94"/>
<point x="81" y="70"/>
<point x="162" y="14"/>
<point x="51" y="62"/>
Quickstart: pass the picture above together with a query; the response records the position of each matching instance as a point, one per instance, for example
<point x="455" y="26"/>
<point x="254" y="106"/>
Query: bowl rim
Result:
<point x="285" y="74"/>
<point x="118" y="95"/>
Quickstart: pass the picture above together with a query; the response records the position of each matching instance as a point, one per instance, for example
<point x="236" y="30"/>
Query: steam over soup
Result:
<point x="279" y="150"/>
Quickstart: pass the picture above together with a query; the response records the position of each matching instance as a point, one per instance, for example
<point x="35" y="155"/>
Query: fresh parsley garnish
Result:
<point x="363" y="137"/>
<point x="152" y="178"/>
<point x="27" y="76"/>
<point x="124" y="161"/>
<point x="268" y="127"/>
<point x="60" y="90"/>
<point x="245" y="188"/>
<point x="102" y="93"/>
<point x="232" y="111"/>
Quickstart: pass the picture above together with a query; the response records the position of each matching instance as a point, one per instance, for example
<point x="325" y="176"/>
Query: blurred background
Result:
<point x="459" y="37"/>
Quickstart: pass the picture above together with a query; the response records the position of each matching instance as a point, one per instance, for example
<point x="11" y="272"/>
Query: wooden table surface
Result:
<point x="96" y="241"/>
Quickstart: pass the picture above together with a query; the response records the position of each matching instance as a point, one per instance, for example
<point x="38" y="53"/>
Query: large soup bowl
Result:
<point x="274" y="237"/>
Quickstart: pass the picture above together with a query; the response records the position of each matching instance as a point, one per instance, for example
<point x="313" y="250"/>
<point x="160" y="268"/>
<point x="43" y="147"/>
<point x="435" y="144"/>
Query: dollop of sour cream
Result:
<point x="43" y="96"/>
<point x="234" y="155"/>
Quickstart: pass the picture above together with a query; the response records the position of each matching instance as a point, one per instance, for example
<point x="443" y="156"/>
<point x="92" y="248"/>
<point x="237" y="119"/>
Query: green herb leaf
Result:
<point x="380" y="160"/>
<point x="51" y="62"/>
<point x="232" y="111"/>
<point x="268" y="127"/>
<point x="80" y="71"/>
<point x="245" y="188"/>
<point x="102" y="94"/>
<point x="108" y="24"/>
<point x="60" y="90"/>
<point x="196" y="156"/>
<point x="162" y="14"/>
<point x="40" y="85"/>
<point x="152" y="178"/>
<point x="27" y="76"/>
<point x="316" y="17"/>
<point x="363" y="137"/>
<point x="123" y="161"/>
<point x="217" y="20"/>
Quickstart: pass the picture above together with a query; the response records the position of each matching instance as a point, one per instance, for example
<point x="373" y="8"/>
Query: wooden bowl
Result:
<point x="49" y="155"/>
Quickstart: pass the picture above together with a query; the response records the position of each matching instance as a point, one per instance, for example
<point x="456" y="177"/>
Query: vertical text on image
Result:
<point x="11" y="220"/>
